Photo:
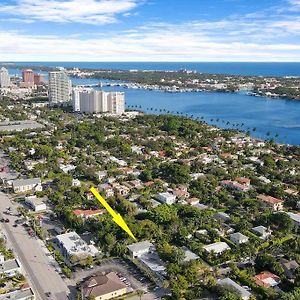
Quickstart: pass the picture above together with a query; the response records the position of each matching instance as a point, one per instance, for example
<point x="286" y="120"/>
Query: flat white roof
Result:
<point x="140" y="246"/>
<point x="74" y="244"/>
<point x="217" y="247"/>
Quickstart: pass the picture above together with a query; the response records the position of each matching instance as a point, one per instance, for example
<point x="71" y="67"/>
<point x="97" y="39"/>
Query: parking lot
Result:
<point x="128" y="273"/>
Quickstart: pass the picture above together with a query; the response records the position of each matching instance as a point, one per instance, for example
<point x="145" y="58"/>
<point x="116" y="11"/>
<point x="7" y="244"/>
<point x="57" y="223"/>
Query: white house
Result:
<point x="167" y="198"/>
<point x="26" y="185"/>
<point x="217" y="248"/>
<point x="263" y="231"/>
<point x="238" y="238"/>
<point x="138" y="249"/>
<point x="35" y="203"/>
<point x="296" y="219"/>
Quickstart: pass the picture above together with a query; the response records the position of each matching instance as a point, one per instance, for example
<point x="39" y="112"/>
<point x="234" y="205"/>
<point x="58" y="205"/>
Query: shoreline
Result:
<point x="285" y="87"/>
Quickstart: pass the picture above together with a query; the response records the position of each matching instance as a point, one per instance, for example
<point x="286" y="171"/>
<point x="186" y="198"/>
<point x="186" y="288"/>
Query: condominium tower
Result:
<point x="59" y="87"/>
<point x="28" y="76"/>
<point x="4" y="78"/>
<point x="92" y="101"/>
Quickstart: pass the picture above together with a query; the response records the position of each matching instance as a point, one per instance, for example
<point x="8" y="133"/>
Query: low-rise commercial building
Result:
<point x="73" y="248"/>
<point x="103" y="287"/>
<point x="146" y="254"/>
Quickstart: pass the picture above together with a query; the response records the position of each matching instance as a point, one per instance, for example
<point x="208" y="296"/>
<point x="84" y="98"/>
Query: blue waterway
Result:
<point x="278" y="116"/>
<point x="236" y="68"/>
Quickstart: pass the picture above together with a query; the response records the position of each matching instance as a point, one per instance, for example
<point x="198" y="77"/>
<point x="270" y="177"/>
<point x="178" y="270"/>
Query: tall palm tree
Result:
<point x="140" y="293"/>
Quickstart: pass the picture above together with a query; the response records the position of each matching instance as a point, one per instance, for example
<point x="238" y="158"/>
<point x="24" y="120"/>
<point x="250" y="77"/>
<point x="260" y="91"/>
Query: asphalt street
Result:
<point x="37" y="265"/>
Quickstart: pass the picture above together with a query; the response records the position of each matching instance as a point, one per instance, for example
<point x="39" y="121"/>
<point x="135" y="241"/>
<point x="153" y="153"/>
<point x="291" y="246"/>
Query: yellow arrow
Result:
<point x="117" y="218"/>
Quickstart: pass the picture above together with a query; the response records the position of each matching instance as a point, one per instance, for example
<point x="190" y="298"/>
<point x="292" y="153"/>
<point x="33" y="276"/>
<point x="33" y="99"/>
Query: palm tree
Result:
<point x="140" y="293"/>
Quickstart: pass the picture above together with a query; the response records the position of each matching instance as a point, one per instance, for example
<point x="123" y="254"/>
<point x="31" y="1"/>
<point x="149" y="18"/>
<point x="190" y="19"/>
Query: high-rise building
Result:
<point x="59" y="87"/>
<point x="38" y="79"/>
<point x="92" y="101"/>
<point x="28" y="76"/>
<point x="116" y="102"/>
<point x="4" y="78"/>
<point x="76" y="98"/>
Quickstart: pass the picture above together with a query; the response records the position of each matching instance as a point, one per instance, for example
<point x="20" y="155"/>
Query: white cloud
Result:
<point x="159" y="42"/>
<point x="81" y="11"/>
<point x="258" y="36"/>
<point x="295" y="5"/>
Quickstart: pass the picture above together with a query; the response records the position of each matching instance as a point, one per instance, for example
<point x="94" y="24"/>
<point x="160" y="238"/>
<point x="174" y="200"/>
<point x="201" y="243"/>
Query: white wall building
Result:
<point x="72" y="246"/>
<point x="93" y="101"/>
<point x="145" y="253"/>
<point x="4" y="78"/>
<point x="167" y="198"/>
<point x="35" y="203"/>
<point x="59" y="87"/>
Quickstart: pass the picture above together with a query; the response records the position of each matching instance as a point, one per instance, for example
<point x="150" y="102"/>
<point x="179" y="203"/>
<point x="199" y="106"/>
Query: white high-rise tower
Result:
<point x="4" y="78"/>
<point x="59" y="87"/>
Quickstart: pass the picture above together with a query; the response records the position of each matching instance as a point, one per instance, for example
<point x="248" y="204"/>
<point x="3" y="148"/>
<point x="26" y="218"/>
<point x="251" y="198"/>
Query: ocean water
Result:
<point x="234" y="68"/>
<point x="272" y="118"/>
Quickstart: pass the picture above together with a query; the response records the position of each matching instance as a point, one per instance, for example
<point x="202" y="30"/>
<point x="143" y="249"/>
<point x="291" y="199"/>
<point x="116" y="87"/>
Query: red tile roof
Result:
<point x="263" y="278"/>
<point x="269" y="199"/>
<point x="88" y="212"/>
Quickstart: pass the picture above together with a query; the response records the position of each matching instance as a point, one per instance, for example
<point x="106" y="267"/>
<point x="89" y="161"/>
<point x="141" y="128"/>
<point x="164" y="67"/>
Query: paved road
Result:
<point x="35" y="262"/>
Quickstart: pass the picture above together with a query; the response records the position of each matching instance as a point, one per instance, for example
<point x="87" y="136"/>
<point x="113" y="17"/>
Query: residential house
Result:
<point x="10" y="267"/>
<point x="181" y="193"/>
<point x="24" y="293"/>
<point x="227" y="282"/>
<point x="188" y="255"/>
<point x="27" y="185"/>
<point x="296" y="219"/>
<point x="243" y="180"/>
<point x="103" y="287"/>
<point x="192" y="201"/>
<point x="121" y="189"/>
<point x="290" y="267"/>
<point x="222" y="216"/>
<point x="217" y="248"/>
<point x="101" y="175"/>
<point x="267" y="279"/>
<point x="107" y="189"/>
<point x="167" y="198"/>
<point x="234" y="185"/>
<point x="238" y="238"/>
<point x="271" y="202"/>
<point x="262" y="231"/>
<point x="88" y="213"/>
<point x="291" y="192"/>
<point x="76" y="182"/>
<point x="36" y="204"/>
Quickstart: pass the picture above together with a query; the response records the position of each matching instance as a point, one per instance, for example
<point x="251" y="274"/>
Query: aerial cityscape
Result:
<point x="150" y="150"/>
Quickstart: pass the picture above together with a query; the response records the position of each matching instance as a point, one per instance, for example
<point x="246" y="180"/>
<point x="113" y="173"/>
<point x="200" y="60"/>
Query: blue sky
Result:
<point x="150" y="30"/>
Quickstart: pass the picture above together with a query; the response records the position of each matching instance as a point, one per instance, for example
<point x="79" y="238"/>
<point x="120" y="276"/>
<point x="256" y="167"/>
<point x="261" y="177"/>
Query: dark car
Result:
<point x="6" y="220"/>
<point x="48" y="294"/>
